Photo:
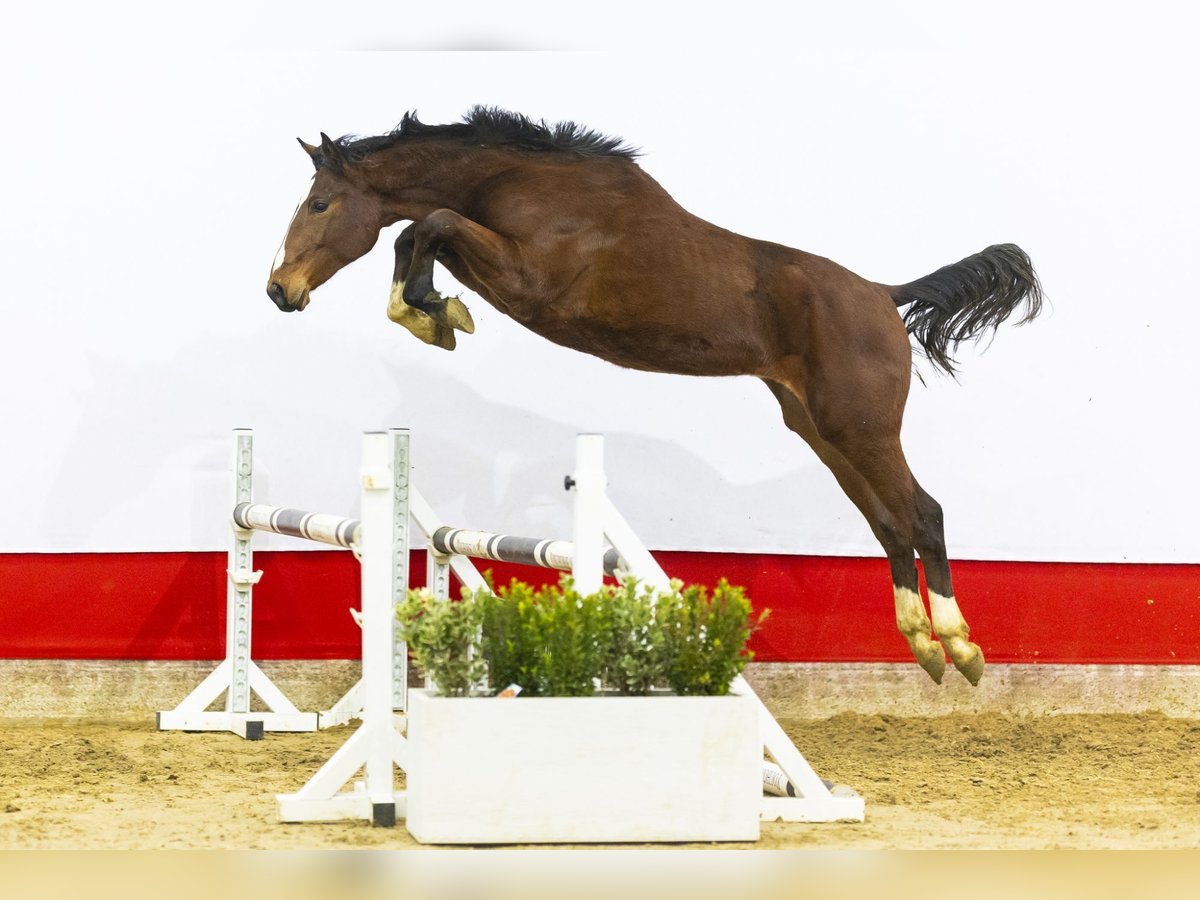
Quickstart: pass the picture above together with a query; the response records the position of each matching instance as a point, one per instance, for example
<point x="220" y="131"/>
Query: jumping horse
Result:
<point x="559" y="228"/>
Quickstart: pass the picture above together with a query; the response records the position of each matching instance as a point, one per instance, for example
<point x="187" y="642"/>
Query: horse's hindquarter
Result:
<point x="838" y="335"/>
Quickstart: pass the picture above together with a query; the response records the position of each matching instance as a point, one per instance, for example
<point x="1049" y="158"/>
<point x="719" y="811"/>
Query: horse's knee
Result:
<point x="405" y="240"/>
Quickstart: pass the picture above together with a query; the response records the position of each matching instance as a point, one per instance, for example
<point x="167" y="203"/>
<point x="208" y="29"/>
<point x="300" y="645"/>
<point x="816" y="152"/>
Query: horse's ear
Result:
<point x="328" y="155"/>
<point x="331" y="154"/>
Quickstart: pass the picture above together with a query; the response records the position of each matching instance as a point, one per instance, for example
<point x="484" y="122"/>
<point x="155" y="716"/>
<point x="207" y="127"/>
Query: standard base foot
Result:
<point x="383" y="815"/>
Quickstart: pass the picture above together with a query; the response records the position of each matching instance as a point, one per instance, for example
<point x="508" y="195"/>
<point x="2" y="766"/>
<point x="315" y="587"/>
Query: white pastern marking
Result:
<point x="910" y="612"/>
<point x="947" y="619"/>
<point x="280" y="257"/>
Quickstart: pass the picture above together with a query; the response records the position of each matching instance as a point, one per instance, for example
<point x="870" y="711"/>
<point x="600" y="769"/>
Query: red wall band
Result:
<point x="823" y="609"/>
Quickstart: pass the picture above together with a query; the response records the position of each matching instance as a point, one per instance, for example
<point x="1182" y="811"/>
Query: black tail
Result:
<point x="965" y="300"/>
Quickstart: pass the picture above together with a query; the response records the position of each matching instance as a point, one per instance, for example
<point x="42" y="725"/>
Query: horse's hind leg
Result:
<point x="863" y="425"/>
<point x="948" y="622"/>
<point x="911" y="619"/>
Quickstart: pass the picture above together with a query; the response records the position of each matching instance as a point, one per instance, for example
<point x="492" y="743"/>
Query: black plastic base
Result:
<point x="383" y="815"/>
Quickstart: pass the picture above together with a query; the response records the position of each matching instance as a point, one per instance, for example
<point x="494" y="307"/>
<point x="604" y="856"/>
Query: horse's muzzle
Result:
<point x="279" y="297"/>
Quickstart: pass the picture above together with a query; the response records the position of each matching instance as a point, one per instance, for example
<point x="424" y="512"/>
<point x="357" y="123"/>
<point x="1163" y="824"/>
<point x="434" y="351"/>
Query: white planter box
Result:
<point x="586" y="769"/>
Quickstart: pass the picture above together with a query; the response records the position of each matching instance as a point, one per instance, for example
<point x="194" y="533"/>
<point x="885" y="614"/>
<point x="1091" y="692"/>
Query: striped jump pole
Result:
<point x="453" y="549"/>
<point x="310" y="526"/>
<point x="548" y="554"/>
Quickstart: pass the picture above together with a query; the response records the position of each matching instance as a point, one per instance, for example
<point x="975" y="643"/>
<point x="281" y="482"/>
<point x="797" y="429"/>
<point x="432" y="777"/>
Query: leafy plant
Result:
<point x="636" y="660"/>
<point x="510" y="638"/>
<point x="551" y="641"/>
<point x="577" y="638"/>
<point x="442" y="636"/>
<point x="706" y="637"/>
<point x="556" y="642"/>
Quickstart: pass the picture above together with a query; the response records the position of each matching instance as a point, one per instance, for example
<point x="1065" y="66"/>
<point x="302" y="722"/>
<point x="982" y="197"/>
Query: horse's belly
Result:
<point x="652" y="347"/>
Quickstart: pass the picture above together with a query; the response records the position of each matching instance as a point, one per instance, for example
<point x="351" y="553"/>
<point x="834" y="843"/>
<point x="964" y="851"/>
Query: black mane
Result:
<point x="493" y="126"/>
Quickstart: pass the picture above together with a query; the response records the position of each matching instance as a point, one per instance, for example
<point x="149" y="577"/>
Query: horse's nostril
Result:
<point x="278" y="295"/>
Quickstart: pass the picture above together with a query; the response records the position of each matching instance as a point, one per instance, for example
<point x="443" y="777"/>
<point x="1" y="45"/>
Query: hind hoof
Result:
<point x="934" y="664"/>
<point x="972" y="667"/>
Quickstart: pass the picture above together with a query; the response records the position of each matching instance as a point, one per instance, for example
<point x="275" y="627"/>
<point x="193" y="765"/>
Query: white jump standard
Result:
<point x="238" y="675"/>
<point x="377" y="746"/>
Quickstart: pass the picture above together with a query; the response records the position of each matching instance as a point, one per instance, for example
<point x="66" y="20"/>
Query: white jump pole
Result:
<point x="589" y="483"/>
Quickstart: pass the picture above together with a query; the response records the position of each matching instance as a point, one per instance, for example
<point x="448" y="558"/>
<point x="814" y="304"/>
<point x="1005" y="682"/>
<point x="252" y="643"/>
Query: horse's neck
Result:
<point x="413" y="184"/>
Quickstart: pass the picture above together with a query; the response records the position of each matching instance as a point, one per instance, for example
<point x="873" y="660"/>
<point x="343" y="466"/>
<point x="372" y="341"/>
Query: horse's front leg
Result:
<point x="489" y="257"/>
<point x="433" y="327"/>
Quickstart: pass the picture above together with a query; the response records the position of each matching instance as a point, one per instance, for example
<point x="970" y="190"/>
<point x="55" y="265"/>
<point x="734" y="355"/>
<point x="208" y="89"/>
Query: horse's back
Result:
<point x="628" y="274"/>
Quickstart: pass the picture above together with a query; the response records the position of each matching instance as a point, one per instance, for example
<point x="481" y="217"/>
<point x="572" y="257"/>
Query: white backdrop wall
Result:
<point x="152" y="168"/>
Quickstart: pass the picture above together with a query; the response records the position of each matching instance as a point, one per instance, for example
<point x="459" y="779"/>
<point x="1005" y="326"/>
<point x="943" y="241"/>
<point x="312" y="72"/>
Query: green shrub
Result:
<point x="556" y="642"/>
<point x="636" y="660"/>
<point x="442" y="636"/>
<point x="706" y="637"/>
<point x="551" y="641"/>
<point x="511" y="634"/>
<point x="574" y="637"/>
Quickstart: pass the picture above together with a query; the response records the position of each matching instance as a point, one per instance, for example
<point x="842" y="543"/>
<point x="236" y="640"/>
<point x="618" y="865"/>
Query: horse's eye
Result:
<point x="319" y="206"/>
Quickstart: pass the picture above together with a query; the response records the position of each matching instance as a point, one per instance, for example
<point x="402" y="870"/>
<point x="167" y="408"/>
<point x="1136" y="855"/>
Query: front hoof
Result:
<point x="458" y="316"/>
<point x="449" y="312"/>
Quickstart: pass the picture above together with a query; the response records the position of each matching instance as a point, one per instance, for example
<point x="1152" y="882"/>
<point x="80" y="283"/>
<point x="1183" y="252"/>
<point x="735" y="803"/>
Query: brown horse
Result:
<point x="559" y="228"/>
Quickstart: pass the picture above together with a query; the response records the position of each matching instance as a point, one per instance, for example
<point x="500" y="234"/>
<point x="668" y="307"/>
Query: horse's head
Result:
<point x="337" y="222"/>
